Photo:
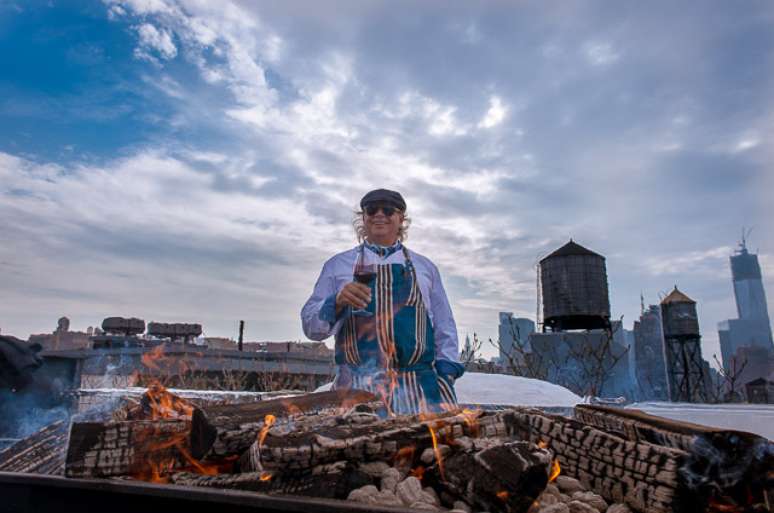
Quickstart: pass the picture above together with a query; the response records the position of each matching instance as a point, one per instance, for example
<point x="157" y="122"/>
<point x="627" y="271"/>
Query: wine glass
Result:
<point x="365" y="274"/>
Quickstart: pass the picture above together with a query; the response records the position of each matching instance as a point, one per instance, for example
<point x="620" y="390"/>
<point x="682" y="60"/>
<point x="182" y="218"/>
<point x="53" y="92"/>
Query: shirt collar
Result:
<point x="383" y="251"/>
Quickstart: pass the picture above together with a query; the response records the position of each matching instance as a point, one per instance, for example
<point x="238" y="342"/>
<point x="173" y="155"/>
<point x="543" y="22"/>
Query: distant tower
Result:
<point x="685" y="367"/>
<point x="748" y="286"/>
<point x="753" y="327"/>
<point x="62" y="325"/>
<point x="573" y="286"/>
<point x="513" y="331"/>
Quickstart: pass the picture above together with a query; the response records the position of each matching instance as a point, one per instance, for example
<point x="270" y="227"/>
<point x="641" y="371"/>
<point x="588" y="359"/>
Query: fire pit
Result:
<point x="318" y="449"/>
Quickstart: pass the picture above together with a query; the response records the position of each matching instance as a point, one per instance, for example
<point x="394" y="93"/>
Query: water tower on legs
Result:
<point x="686" y="379"/>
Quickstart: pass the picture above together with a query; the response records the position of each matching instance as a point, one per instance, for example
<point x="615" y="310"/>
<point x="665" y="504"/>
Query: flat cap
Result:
<point x="384" y="196"/>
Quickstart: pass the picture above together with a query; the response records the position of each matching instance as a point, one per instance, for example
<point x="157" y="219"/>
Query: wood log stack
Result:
<point x="342" y="445"/>
<point x="331" y="444"/>
<point x="650" y="463"/>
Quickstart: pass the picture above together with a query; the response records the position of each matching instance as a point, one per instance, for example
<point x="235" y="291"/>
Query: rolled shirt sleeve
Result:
<point x="446" y="342"/>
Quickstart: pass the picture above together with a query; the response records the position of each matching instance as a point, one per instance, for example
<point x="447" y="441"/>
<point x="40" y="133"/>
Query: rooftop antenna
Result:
<point x="642" y="303"/>
<point x="745" y="235"/>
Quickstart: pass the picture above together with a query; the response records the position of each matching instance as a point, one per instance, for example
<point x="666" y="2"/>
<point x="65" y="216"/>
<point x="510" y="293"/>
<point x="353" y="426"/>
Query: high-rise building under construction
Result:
<point x="752" y="329"/>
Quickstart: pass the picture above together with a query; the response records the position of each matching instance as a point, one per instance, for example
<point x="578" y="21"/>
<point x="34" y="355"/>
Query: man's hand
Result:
<point x="353" y="294"/>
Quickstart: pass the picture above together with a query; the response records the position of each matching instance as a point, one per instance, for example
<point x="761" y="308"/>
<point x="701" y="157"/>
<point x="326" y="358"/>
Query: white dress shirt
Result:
<point x="338" y="271"/>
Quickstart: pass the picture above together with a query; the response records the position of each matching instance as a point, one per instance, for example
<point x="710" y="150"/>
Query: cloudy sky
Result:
<point x="198" y="161"/>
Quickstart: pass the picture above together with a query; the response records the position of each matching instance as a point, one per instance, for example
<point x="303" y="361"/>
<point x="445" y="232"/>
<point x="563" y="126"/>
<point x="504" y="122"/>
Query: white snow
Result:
<point x="479" y="388"/>
<point x="753" y="418"/>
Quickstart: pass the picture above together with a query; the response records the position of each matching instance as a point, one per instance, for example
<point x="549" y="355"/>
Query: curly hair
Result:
<point x="359" y="226"/>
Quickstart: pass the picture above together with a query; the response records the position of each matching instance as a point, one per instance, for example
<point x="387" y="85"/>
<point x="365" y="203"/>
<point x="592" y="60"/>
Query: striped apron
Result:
<point x="392" y="353"/>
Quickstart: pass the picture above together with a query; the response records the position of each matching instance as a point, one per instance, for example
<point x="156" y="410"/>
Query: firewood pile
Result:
<point x="342" y="445"/>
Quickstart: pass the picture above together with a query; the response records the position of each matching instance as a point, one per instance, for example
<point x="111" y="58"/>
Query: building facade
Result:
<point x="650" y="368"/>
<point x="513" y="333"/>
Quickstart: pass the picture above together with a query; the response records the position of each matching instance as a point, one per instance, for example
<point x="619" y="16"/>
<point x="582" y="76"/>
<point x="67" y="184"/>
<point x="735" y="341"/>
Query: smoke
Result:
<point x="25" y="412"/>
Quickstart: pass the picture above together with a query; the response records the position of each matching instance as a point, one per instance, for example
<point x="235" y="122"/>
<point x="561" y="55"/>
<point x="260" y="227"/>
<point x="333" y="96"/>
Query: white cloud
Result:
<point x="708" y="261"/>
<point x="495" y="115"/>
<point x="600" y="53"/>
<point x="746" y="142"/>
<point x="154" y="42"/>
<point x="340" y="113"/>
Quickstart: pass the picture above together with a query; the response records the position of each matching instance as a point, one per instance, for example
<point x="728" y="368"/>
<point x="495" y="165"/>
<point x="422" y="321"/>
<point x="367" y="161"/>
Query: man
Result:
<point x="405" y="347"/>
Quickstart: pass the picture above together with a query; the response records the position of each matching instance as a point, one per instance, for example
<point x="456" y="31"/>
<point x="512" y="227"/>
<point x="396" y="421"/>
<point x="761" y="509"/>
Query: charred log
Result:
<point x="315" y="440"/>
<point x="42" y="452"/>
<point x="230" y="429"/>
<point x="142" y="447"/>
<point x="724" y="465"/>
<point x="505" y="478"/>
<point x="333" y="481"/>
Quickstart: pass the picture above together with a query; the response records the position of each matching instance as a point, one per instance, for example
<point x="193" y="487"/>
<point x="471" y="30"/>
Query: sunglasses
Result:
<point x="371" y="210"/>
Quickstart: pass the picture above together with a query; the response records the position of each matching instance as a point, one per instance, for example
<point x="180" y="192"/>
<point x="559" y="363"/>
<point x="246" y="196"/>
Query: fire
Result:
<point x="418" y="472"/>
<point x="503" y="495"/>
<point x="164" y="405"/>
<point x="151" y="358"/>
<point x="168" y="451"/>
<point x="470" y="417"/>
<point x="555" y="471"/>
<point x="265" y="476"/>
<point x="542" y="444"/>
<point x="268" y="422"/>
<point x="404" y="454"/>
<point x="721" y="506"/>
<point x="437" y="452"/>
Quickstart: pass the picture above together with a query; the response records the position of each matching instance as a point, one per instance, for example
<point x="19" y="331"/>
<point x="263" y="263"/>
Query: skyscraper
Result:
<point x="513" y="332"/>
<point x="752" y="328"/>
<point x="650" y="369"/>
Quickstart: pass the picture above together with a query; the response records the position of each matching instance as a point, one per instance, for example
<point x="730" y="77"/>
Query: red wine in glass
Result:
<point x="365" y="274"/>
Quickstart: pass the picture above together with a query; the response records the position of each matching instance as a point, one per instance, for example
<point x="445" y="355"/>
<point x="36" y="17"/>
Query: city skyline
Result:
<point x="182" y="162"/>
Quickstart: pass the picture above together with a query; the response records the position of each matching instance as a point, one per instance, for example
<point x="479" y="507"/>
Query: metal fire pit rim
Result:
<point x="238" y="498"/>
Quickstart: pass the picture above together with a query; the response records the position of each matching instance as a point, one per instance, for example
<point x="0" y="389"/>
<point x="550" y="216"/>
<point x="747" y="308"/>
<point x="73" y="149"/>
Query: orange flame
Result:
<point x="503" y="495"/>
<point x="265" y="476"/>
<point x="542" y="444"/>
<point x="151" y="358"/>
<point x="268" y="422"/>
<point x="165" y="405"/>
<point x="404" y="454"/>
<point x="555" y="471"/>
<point x="418" y="472"/>
<point x="470" y="417"/>
<point x="437" y="452"/>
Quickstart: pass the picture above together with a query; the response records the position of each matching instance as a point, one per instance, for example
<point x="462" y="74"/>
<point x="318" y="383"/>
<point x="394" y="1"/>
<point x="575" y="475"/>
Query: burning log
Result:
<point x="230" y="429"/>
<point x="507" y="477"/>
<point x="42" y="452"/>
<point x="315" y="440"/>
<point x="153" y="441"/>
<point x="333" y="481"/>
<point x="140" y="448"/>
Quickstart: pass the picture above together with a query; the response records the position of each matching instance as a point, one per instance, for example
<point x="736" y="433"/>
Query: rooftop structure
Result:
<point x="573" y="289"/>
<point x="685" y="368"/>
